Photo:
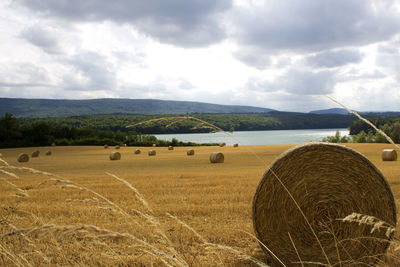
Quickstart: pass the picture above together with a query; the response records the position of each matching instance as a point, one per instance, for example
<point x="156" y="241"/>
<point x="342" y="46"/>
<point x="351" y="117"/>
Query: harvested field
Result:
<point x="97" y="219"/>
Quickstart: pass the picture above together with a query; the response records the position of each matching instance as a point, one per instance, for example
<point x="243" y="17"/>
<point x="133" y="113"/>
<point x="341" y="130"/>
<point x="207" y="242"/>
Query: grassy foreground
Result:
<point x="171" y="209"/>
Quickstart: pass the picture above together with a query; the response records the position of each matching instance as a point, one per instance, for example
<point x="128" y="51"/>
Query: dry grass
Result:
<point x="173" y="210"/>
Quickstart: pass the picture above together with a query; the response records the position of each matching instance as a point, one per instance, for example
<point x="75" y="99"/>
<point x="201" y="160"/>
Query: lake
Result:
<point x="275" y="137"/>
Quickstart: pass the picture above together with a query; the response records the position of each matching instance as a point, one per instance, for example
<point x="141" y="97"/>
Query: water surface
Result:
<point x="275" y="137"/>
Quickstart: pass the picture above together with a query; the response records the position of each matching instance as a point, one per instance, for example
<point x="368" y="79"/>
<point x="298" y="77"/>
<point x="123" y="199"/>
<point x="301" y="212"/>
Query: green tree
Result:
<point x="395" y="134"/>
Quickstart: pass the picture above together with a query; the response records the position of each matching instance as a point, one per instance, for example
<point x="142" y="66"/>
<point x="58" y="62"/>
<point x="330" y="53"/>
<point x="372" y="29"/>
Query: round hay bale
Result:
<point x="125" y="145"/>
<point x="329" y="182"/>
<point x="190" y="152"/>
<point x="170" y="148"/>
<point x="53" y="144"/>
<point x="154" y="145"/>
<point x="115" y="156"/>
<point x="23" y="157"/>
<point x="389" y="155"/>
<point x="222" y="144"/>
<point x="217" y="157"/>
<point x="105" y="146"/>
<point x="152" y="152"/>
<point x="35" y="154"/>
<point x="137" y="151"/>
<point x="48" y="153"/>
<point x="117" y="147"/>
<point x="235" y="145"/>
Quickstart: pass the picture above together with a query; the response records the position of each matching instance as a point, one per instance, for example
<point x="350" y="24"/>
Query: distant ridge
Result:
<point x="341" y="111"/>
<point x="21" y="107"/>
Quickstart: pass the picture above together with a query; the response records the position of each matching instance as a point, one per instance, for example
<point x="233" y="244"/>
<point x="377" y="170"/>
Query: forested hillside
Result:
<point x="227" y="122"/>
<point x="55" y="108"/>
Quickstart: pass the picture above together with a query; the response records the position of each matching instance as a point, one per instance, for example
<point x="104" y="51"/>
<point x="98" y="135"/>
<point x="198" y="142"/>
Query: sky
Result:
<point x="280" y="54"/>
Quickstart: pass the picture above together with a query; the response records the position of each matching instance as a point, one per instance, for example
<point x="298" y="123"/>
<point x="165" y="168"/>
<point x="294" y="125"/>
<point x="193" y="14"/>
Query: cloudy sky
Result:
<point x="280" y="54"/>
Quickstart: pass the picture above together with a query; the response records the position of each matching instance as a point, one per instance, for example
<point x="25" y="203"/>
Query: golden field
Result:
<point x="171" y="209"/>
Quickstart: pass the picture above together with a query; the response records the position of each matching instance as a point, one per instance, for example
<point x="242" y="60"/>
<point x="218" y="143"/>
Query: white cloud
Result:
<point x="275" y="54"/>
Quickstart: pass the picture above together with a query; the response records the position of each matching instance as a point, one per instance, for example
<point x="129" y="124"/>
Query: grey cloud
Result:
<point x="306" y="82"/>
<point x="92" y="72"/>
<point x="185" y="23"/>
<point x="254" y="57"/>
<point x="331" y="59"/>
<point x="356" y="74"/>
<point x="42" y="38"/>
<point x="315" y="25"/>
<point x="296" y="82"/>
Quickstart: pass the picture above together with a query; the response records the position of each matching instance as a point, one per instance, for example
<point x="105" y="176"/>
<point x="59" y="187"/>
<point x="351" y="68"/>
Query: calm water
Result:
<point x="276" y="137"/>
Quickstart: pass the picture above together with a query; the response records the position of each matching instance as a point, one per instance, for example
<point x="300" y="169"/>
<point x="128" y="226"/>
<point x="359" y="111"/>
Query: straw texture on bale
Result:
<point x="235" y="145"/>
<point x="35" y="154"/>
<point x="222" y="144"/>
<point x="23" y="157"/>
<point x="170" y="148"/>
<point x="389" y="155"/>
<point x="329" y="182"/>
<point x="217" y="157"/>
<point x="152" y="152"/>
<point x="190" y="152"/>
<point x="117" y="147"/>
<point x="48" y="153"/>
<point x="115" y="156"/>
<point x="137" y="151"/>
<point x="105" y="146"/>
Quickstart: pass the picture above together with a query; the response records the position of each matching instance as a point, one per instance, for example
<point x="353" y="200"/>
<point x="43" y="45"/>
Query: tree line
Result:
<point x="227" y="122"/>
<point x="361" y="132"/>
<point x="42" y="133"/>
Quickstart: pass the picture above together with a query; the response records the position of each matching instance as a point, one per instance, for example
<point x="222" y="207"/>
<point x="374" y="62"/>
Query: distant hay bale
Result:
<point x="137" y="151"/>
<point x="222" y="144"/>
<point x="154" y="145"/>
<point x="115" y="156"/>
<point x="53" y="144"/>
<point x="217" y="157"/>
<point x="235" y="145"/>
<point x="35" y="154"/>
<point x="170" y="148"/>
<point x="117" y="147"/>
<point x="125" y="145"/>
<point x="190" y="152"/>
<point x="105" y="146"/>
<point x="48" y="153"/>
<point x="23" y="157"/>
<point x="329" y="182"/>
<point x="152" y="152"/>
<point x="389" y="155"/>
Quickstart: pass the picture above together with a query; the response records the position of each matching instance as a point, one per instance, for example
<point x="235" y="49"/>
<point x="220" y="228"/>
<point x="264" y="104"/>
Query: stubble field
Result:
<point x="170" y="209"/>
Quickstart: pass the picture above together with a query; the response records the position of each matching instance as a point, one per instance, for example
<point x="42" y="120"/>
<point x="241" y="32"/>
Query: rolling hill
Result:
<point x="21" y="107"/>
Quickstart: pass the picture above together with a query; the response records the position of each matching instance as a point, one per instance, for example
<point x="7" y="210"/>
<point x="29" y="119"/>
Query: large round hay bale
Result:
<point x="217" y="157"/>
<point x="222" y="144"/>
<point x="137" y="151"/>
<point x="115" y="156"/>
<point x="23" y="157"/>
<point x="117" y="147"/>
<point x="235" y="145"/>
<point x="152" y="152"/>
<point x="190" y="152"/>
<point x="329" y="182"/>
<point x="105" y="146"/>
<point x="170" y="148"/>
<point x="389" y="155"/>
<point x="35" y="154"/>
<point x="48" y="153"/>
